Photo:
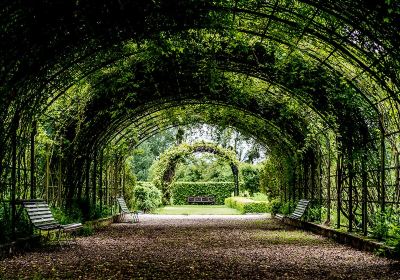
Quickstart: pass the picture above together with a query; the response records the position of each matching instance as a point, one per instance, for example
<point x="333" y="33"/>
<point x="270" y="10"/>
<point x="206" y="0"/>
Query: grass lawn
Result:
<point x="197" y="210"/>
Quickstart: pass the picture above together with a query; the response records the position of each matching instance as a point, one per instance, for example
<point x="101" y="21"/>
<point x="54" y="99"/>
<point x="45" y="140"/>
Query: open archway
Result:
<point x="164" y="169"/>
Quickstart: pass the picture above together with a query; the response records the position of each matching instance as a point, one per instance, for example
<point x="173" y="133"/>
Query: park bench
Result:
<point x="298" y="212"/>
<point x="42" y="219"/>
<point x="125" y="210"/>
<point x="201" y="200"/>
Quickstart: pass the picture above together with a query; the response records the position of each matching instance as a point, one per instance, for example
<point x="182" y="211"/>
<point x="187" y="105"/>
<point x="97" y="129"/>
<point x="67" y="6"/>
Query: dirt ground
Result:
<point x="217" y="247"/>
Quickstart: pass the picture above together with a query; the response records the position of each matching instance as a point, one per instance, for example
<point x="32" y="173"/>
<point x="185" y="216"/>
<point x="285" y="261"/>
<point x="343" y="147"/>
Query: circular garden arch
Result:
<point x="78" y="76"/>
<point x="164" y="169"/>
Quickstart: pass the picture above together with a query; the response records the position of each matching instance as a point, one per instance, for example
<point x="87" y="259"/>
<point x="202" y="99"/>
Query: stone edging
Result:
<point x="356" y="241"/>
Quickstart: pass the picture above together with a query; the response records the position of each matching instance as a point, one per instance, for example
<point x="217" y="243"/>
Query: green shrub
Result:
<point x="250" y="177"/>
<point x="256" y="207"/>
<point x="146" y="197"/>
<point x="219" y="190"/>
<point x="80" y="210"/>
<point x="61" y="216"/>
<point x="381" y="224"/>
<point x="247" y="205"/>
<point x="314" y="213"/>
<point x="287" y="208"/>
<point x="97" y="212"/>
<point x="394" y="240"/>
<point x="275" y="206"/>
<point x="386" y="225"/>
<point x="260" y="197"/>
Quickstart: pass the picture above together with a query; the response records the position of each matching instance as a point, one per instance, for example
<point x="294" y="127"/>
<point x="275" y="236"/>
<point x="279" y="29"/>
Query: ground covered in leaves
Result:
<point x="199" y="247"/>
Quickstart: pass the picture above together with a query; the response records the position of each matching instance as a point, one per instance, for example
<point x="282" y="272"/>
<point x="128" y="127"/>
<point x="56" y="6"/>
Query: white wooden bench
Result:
<point x="42" y="219"/>
<point x="298" y="212"/>
<point x="125" y="210"/>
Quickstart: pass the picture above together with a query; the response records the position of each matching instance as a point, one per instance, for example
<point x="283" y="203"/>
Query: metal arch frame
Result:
<point x="302" y="51"/>
<point x="296" y="97"/>
<point x="317" y="7"/>
<point x="291" y="12"/>
<point x="172" y="105"/>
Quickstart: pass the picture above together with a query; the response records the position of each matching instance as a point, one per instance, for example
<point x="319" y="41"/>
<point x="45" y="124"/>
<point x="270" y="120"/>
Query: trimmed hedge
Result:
<point x="181" y="190"/>
<point x="247" y="205"/>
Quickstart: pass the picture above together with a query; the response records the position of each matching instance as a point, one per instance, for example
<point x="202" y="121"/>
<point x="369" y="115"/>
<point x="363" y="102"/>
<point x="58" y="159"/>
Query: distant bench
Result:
<point x="125" y="210"/>
<point x="201" y="200"/>
<point x="298" y="212"/>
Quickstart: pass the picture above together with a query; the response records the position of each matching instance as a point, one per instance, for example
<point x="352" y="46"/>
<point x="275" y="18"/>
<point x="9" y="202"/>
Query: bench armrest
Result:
<point x="71" y="226"/>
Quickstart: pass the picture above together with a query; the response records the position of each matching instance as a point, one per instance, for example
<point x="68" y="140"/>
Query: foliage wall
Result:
<point x="247" y="205"/>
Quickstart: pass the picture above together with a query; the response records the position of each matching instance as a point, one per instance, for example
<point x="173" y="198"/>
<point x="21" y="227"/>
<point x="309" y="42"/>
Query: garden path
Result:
<point x="213" y="247"/>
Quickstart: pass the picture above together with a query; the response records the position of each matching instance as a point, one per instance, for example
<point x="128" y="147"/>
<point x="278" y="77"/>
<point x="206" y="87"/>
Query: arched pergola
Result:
<point x="317" y="82"/>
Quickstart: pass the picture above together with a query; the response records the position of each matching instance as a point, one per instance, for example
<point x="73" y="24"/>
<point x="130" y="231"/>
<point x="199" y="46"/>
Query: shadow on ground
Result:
<point x="253" y="247"/>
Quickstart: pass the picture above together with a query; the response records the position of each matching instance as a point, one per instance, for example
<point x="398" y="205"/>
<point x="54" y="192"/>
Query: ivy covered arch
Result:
<point x="79" y="73"/>
<point x="164" y="169"/>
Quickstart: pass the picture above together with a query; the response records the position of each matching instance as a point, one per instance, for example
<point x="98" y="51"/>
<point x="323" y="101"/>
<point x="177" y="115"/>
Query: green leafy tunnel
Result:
<point x="316" y="82"/>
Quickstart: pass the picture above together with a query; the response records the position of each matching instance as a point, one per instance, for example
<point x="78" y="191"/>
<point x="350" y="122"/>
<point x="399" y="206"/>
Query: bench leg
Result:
<point x="71" y="238"/>
<point x="135" y="217"/>
<point x="68" y="238"/>
<point x="59" y="237"/>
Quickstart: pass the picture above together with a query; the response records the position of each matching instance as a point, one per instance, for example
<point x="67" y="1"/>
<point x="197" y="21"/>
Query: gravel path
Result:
<point x="201" y="247"/>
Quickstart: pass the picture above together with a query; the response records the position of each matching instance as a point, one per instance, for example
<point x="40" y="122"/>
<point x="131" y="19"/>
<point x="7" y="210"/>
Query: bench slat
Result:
<point x="33" y="211"/>
<point x="43" y="221"/>
<point x="38" y="211"/>
<point x="36" y="205"/>
<point x="40" y="215"/>
<point x="37" y="217"/>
